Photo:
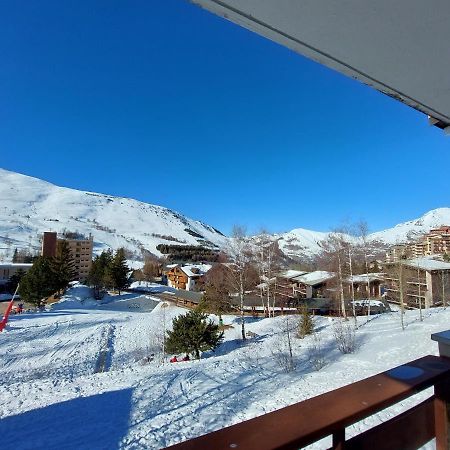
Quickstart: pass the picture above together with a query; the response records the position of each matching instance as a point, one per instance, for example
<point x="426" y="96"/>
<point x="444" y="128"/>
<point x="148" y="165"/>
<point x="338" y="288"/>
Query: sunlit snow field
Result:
<point x="76" y="376"/>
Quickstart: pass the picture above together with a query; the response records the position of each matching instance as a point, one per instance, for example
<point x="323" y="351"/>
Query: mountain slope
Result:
<point x="413" y="229"/>
<point x="29" y="206"/>
<point x="301" y="243"/>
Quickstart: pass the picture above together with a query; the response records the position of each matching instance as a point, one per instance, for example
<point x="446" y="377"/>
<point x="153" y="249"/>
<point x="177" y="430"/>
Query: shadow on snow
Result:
<point x="96" y="422"/>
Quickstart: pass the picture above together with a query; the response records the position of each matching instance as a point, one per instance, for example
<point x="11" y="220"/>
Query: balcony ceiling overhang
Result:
<point x="401" y="48"/>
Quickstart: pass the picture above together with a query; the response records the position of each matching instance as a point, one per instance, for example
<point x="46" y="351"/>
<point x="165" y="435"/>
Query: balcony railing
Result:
<point x="304" y="423"/>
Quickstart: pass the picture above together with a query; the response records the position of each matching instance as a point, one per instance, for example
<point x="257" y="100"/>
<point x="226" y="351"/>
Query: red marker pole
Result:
<point x="7" y="312"/>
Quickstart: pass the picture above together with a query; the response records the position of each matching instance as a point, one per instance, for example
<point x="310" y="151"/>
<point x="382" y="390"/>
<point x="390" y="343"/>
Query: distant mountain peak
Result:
<point x="29" y="206"/>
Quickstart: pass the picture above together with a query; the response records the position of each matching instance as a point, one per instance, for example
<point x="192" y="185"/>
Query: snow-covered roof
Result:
<point x="316" y="277"/>
<point x="190" y="269"/>
<point x="363" y="278"/>
<point x="291" y="273"/>
<point x="11" y="265"/>
<point x="427" y="264"/>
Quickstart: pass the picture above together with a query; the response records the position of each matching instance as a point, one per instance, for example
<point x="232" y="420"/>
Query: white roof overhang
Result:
<point x="401" y="48"/>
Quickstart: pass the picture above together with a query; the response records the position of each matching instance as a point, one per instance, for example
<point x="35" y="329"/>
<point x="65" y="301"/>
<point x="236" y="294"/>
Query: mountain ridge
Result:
<point x="29" y="206"/>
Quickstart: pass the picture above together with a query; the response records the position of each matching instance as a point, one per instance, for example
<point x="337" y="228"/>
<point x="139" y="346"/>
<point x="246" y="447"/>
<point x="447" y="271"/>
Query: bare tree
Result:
<point x="401" y="291"/>
<point x="334" y="251"/>
<point x="419" y="286"/>
<point x="216" y="297"/>
<point x="240" y="274"/>
<point x="151" y="269"/>
<point x="268" y="263"/>
<point x="444" y="286"/>
<point x="363" y="231"/>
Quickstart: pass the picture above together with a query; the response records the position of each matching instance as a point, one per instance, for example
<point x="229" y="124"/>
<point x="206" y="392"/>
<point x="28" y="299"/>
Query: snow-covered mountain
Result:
<point x="29" y="206"/>
<point x="411" y="230"/>
<point x="301" y="243"/>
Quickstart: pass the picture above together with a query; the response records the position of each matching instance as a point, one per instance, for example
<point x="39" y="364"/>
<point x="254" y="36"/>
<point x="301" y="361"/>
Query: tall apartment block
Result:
<point x="436" y="242"/>
<point x="81" y="250"/>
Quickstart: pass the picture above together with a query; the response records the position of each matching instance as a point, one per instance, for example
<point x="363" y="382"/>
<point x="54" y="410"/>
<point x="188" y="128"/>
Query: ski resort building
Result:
<point x="186" y="276"/>
<point x="364" y="286"/>
<point x="80" y="248"/>
<point x="424" y="282"/>
<point x="436" y="242"/>
<point x="313" y="284"/>
<point x="7" y="270"/>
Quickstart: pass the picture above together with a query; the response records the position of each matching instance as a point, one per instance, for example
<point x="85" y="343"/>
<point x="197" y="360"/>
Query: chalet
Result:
<point x="364" y="286"/>
<point x="425" y="282"/>
<point x="313" y="284"/>
<point x="188" y="277"/>
<point x="285" y="284"/>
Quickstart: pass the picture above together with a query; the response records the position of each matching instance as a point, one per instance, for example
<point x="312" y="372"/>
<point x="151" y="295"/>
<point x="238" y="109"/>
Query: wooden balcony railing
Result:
<point x="304" y="423"/>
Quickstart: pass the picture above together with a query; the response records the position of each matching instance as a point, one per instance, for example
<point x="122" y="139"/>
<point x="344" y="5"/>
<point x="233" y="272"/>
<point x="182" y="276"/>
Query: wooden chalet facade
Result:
<point x="364" y="286"/>
<point x="188" y="277"/>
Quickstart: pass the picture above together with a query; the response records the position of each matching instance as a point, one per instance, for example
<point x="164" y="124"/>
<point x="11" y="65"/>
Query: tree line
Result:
<point x="47" y="276"/>
<point x="188" y="253"/>
<point x="109" y="271"/>
<point x="52" y="275"/>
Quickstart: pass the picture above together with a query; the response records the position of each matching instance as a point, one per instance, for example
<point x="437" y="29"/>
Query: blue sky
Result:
<point x="169" y="104"/>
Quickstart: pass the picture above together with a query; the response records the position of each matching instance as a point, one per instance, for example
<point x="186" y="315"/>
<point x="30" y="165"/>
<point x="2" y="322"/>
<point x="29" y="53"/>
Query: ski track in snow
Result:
<point x="51" y="392"/>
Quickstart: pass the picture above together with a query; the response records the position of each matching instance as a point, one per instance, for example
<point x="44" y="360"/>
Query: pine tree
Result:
<point x="193" y="333"/>
<point x="15" y="258"/>
<point x="306" y="325"/>
<point x="38" y="283"/>
<point x="63" y="266"/>
<point x="118" y="270"/>
<point x="98" y="277"/>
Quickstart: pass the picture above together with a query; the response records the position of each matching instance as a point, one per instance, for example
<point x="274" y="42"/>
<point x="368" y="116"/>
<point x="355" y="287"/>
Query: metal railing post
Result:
<point x="339" y="440"/>
<point x="442" y="396"/>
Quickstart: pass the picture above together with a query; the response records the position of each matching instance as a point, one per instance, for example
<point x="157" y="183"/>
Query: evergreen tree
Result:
<point x="98" y="277"/>
<point x="118" y="270"/>
<point x="15" y="258"/>
<point x="193" y="333"/>
<point x="38" y="283"/>
<point x="14" y="280"/>
<point x="63" y="266"/>
<point x="306" y="325"/>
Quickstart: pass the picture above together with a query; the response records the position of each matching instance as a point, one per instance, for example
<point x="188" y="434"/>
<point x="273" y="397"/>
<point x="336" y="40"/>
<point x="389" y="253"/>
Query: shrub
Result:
<point x="193" y="333"/>
<point x="344" y="333"/>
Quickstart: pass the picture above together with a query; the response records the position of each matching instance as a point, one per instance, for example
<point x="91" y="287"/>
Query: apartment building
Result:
<point x="436" y="242"/>
<point x="7" y="270"/>
<point x="424" y="282"/>
<point x="80" y="247"/>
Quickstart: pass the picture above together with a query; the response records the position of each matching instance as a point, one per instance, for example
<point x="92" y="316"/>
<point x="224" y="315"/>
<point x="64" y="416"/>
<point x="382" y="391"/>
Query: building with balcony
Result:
<point x="424" y="282"/>
<point x="80" y="247"/>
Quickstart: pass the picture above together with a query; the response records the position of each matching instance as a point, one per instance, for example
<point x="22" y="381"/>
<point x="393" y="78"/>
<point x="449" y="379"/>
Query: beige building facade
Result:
<point x="436" y="242"/>
<point x="81" y="250"/>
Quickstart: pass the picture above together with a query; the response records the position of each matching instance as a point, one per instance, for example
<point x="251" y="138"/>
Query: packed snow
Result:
<point x="91" y="375"/>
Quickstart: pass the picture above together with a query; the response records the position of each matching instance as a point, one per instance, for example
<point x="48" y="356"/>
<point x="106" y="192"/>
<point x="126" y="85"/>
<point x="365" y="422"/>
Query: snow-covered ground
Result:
<point x="75" y="377"/>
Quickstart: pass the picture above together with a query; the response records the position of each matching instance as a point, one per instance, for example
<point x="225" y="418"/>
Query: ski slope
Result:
<point x="74" y="377"/>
